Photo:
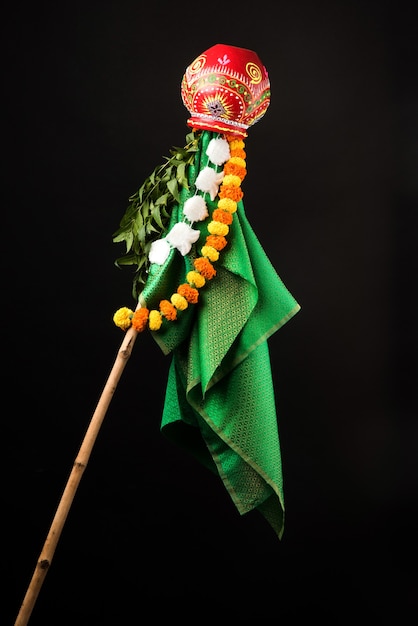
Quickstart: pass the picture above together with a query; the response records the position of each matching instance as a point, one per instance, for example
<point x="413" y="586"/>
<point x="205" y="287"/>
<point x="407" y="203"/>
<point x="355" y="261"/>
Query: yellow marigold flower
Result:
<point x="222" y="216"/>
<point x="168" y="310"/>
<point x="231" y="179"/>
<point x="140" y="319"/>
<point x="196" y="279"/>
<point x="190" y="293"/>
<point x="226" y="204"/>
<point x="210" y="252"/>
<point x="237" y="160"/>
<point x="179" y="301"/>
<point x="217" y="228"/>
<point x="155" y="320"/>
<point x="236" y="143"/>
<point x="122" y="317"/>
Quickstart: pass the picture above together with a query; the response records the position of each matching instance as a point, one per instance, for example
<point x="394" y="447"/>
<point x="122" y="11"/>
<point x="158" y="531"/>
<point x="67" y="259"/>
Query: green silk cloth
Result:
<point x="219" y="402"/>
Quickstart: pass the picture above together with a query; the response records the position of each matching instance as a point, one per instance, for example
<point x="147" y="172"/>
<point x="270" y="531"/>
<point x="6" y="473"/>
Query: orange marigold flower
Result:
<point x="190" y="293"/>
<point x="238" y="152"/>
<point x="222" y="216"/>
<point x="204" y="267"/>
<point x="216" y="241"/>
<point x="168" y="310"/>
<point x="234" y="193"/>
<point x="235" y="170"/>
<point x="140" y="319"/>
<point x="231" y="138"/>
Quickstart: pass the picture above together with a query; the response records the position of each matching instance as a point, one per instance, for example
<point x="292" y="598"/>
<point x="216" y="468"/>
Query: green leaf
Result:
<point x="149" y="208"/>
<point x="128" y="259"/>
<point x="162" y="199"/>
<point x="156" y="214"/>
<point x="181" y="174"/>
<point x="172" y="186"/>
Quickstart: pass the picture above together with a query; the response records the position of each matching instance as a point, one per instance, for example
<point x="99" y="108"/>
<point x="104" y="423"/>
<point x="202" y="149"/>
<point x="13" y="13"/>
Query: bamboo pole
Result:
<point x="80" y="463"/>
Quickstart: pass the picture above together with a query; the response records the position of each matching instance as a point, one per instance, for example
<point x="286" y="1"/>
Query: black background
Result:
<point x="91" y="104"/>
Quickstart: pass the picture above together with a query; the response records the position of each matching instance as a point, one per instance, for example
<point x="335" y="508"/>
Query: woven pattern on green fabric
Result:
<point x="220" y="401"/>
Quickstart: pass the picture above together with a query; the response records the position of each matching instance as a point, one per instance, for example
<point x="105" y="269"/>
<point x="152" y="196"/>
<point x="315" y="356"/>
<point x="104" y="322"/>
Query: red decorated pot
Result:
<point x="226" y="89"/>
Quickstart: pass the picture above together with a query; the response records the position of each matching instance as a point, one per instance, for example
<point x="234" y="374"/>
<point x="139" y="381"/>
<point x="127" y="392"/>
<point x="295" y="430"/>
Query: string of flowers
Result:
<point x="229" y="194"/>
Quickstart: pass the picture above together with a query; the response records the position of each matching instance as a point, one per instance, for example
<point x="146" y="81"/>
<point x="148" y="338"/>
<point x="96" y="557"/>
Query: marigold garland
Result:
<point x="229" y="194"/>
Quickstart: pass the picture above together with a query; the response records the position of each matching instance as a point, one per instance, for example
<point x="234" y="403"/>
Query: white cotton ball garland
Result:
<point x="159" y="251"/>
<point x="218" y="151"/>
<point x="208" y="181"/>
<point x="195" y="209"/>
<point x="182" y="236"/>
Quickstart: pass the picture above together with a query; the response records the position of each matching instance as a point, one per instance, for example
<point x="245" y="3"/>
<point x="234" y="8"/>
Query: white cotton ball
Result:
<point x="159" y="251"/>
<point x="195" y="209"/>
<point x="182" y="236"/>
<point x="218" y="151"/>
<point x="209" y="180"/>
